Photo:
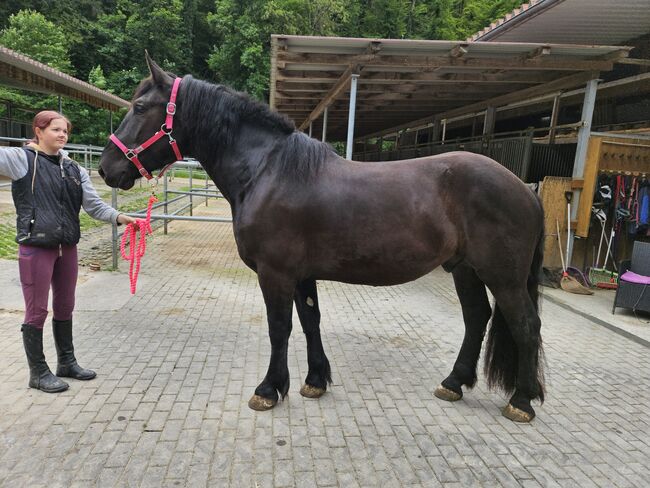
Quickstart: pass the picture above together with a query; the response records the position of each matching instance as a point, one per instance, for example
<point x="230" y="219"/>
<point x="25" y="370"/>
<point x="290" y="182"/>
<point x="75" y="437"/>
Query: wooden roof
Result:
<point x="19" y="71"/>
<point x="402" y="82"/>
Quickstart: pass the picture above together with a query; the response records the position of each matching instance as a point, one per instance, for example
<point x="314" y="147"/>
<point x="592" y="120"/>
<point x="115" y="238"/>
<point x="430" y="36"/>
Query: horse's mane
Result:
<point x="217" y="113"/>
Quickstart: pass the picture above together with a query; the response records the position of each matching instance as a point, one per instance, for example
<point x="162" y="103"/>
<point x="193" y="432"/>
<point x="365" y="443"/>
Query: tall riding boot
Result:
<point x="68" y="366"/>
<point x="40" y="376"/>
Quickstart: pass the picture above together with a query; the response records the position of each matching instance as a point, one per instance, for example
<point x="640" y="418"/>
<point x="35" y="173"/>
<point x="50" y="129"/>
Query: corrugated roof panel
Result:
<point x="572" y="21"/>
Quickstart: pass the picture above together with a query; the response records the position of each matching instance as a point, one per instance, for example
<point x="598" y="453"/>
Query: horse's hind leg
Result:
<point x="476" y="314"/>
<point x="278" y="291"/>
<point x="515" y="323"/>
<point x="319" y="375"/>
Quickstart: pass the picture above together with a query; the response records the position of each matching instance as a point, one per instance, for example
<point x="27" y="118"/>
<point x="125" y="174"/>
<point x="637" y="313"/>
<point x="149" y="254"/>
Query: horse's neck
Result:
<point x="234" y="169"/>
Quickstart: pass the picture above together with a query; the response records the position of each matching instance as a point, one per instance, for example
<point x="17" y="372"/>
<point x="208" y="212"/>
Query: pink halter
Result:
<point x="165" y="130"/>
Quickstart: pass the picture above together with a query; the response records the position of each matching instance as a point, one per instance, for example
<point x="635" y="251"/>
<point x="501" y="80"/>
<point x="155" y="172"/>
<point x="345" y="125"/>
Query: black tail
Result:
<point x="501" y="358"/>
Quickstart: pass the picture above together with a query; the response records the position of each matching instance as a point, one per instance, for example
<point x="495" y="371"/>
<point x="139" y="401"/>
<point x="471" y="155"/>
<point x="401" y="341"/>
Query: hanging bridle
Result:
<point x="165" y="131"/>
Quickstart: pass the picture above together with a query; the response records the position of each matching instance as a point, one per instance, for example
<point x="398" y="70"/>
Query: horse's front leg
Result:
<point x="319" y="374"/>
<point x="278" y="292"/>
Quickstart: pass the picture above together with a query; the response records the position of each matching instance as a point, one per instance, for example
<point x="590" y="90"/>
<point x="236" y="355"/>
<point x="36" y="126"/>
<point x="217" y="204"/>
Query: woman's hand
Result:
<point x="125" y="219"/>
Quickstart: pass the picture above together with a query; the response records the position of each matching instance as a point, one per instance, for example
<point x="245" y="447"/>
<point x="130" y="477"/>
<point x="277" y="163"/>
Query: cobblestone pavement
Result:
<point x="178" y="362"/>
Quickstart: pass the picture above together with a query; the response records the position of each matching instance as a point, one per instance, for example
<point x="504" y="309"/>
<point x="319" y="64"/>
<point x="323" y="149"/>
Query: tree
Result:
<point x="30" y="33"/>
<point x="242" y="29"/>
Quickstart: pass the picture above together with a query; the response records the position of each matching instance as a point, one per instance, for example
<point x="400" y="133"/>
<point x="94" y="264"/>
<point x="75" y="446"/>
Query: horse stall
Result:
<point x="610" y="156"/>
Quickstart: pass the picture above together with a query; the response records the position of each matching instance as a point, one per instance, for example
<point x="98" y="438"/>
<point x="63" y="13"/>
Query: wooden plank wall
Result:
<point x="552" y="194"/>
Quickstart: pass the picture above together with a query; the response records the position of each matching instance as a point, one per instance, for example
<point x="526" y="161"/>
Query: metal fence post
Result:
<point x="528" y="155"/>
<point x="114" y="238"/>
<point x="165" y="206"/>
<point x="191" y="190"/>
<point x="206" y="189"/>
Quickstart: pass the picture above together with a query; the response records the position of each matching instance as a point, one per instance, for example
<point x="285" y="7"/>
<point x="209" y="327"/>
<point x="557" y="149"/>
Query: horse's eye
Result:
<point x="138" y="108"/>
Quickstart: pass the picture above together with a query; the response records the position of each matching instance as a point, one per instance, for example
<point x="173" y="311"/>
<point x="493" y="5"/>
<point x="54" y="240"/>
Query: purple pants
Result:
<point x="41" y="267"/>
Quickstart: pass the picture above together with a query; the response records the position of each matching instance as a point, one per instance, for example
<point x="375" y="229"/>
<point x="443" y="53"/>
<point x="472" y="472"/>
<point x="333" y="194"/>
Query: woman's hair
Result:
<point x="44" y="118"/>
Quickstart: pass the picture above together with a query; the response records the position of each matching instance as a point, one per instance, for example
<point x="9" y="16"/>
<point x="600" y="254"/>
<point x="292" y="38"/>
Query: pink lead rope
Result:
<point x="137" y="247"/>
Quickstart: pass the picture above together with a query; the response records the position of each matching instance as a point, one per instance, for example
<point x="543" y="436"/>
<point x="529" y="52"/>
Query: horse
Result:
<point x="301" y="213"/>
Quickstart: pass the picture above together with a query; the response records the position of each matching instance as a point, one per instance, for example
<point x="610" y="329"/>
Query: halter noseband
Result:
<point x="165" y="130"/>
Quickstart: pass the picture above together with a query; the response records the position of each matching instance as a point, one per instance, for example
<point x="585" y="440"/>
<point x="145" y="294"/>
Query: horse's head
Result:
<point x="147" y="117"/>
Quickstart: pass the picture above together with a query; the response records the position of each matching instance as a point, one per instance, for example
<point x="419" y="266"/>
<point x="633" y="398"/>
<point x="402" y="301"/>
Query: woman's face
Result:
<point x="53" y="137"/>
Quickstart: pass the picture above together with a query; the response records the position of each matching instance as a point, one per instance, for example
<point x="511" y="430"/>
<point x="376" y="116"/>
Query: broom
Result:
<point x="569" y="283"/>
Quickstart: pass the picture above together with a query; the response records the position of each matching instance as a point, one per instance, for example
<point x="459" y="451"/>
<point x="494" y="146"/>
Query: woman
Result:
<point x="48" y="190"/>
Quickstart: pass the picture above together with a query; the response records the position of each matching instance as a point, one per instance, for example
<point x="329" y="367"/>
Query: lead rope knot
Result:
<point x="137" y="247"/>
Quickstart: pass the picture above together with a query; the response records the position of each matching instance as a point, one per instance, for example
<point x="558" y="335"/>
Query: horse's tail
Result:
<point x="501" y="358"/>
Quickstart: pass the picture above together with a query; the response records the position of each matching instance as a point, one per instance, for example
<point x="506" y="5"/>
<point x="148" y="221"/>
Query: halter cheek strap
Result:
<point x="165" y="131"/>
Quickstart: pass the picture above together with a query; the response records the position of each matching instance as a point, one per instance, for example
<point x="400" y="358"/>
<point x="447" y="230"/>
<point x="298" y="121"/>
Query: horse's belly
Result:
<point x="378" y="274"/>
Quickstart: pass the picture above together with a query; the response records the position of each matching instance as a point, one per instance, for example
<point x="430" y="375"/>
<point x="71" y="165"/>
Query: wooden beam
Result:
<point x="372" y="51"/>
<point x="369" y="77"/>
<point x="559" y="84"/>
<point x="458" y="51"/>
<point x="539" y="52"/>
<point x="638" y="62"/>
<point x="334" y="92"/>
<point x="541" y="63"/>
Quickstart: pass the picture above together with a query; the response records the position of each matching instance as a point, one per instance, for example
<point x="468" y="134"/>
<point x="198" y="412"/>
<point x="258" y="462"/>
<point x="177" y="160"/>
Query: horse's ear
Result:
<point x="159" y="76"/>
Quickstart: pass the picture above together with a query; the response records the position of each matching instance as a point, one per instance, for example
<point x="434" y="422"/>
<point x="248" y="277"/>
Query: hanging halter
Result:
<point x="165" y="131"/>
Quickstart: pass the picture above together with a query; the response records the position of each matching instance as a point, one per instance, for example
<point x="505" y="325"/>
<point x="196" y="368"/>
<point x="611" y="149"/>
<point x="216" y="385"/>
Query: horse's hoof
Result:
<point x="260" y="403"/>
<point x="517" y="415"/>
<point x="446" y="394"/>
<point x="310" y="391"/>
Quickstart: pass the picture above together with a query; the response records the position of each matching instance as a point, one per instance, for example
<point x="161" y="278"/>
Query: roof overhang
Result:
<point x="19" y="71"/>
<point x="572" y="21"/>
<point x="401" y="81"/>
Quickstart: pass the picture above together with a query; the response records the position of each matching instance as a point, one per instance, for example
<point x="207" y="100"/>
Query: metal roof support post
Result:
<point x="554" y="115"/>
<point x="60" y="105"/>
<point x="581" y="152"/>
<point x="353" y="102"/>
<point x="310" y="127"/>
<point x="324" y="138"/>
<point x="490" y="119"/>
<point x="444" y="130"/>
<point x="435" y="130"/>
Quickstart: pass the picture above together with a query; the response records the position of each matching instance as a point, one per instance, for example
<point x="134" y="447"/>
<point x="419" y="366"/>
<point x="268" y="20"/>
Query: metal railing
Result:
<point x="205" y="192"/>
<point x="521" y="152"/>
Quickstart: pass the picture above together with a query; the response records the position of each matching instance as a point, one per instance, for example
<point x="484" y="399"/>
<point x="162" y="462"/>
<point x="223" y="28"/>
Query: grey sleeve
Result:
<point x="13" y="162"/>
<point x="92" y="204"/>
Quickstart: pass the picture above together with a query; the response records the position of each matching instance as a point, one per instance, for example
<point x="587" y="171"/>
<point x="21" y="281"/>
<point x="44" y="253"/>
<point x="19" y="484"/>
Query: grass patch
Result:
<point x="87" y="222"/>
<point x="183" y="173"/>
<point x="8" y="246"/>
<point x="135" y="205"/>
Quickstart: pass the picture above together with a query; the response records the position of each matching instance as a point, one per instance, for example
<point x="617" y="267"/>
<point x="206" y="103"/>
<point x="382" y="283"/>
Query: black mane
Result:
<point x="217" y="113"/>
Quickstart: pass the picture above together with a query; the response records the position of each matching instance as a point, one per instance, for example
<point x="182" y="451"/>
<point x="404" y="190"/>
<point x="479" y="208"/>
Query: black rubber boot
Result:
<point x="40" y="376"/>
<point x="68" y="367"/>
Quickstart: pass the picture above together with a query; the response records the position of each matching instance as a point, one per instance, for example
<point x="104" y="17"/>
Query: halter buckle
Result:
<point x="171" y="108"/>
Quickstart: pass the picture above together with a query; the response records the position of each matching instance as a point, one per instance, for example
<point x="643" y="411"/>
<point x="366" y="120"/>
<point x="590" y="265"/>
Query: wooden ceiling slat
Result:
<point x="402" y="81"/>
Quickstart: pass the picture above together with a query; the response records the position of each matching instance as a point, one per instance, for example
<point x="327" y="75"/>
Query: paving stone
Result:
<point x="169" y="405"/>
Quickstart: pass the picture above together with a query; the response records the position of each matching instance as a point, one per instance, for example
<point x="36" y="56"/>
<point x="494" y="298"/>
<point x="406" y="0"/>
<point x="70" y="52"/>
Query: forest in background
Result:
<point x="225" y="41"/>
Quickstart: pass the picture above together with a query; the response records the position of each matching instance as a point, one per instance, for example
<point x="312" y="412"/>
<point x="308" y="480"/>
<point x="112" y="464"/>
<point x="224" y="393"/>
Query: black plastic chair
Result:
<point x="635" y="296"/>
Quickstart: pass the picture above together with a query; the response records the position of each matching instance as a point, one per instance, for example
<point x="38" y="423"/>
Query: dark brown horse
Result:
<point x="301" y="213"/>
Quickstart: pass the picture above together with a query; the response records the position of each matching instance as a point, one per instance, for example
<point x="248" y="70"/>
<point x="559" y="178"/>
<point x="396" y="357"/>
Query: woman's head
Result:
<point x="51" y="130"/>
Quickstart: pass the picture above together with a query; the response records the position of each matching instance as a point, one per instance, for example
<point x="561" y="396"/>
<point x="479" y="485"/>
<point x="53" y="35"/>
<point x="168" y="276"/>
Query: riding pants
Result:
<point x="41" y="268"/>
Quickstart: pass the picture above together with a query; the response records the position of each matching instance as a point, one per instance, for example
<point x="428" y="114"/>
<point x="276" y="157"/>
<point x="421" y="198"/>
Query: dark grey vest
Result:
<point x="48" y="216"/>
